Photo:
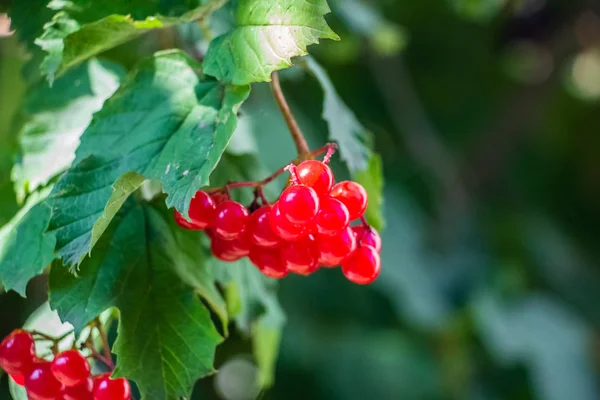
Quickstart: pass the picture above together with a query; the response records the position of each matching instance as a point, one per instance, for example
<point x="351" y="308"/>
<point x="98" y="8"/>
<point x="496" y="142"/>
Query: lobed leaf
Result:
<point x="55" y="119"/>
<point x="343" y="125"/>
<point x="80" y="29"/>
<point x="268" y="34"/>
<point x="166" y="122"/>
<point x="166" y="339"/>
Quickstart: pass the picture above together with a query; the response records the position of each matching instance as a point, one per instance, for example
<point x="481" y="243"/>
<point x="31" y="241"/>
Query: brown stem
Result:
<point x="329" y="148"/>
<point x="297" y="135"/>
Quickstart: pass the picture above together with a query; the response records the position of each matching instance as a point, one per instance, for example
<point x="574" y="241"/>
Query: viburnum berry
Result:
<point x="301" y="257"/>
<point x="230" y="250"/>
<point x="18" y="379"/>
<point x="17" y="352"/>
<point x="299" y="204"/>
<point x="41" y="384"/>
<point x="260" y="232"/>
<point x="362" y="266"/>
<point x="202" y="210"/>
<point x="231" y="219"/>
<point x="316" y="175"/>
<point x="367" y="236"/>
<point x="334" y="249"/>
<point x="70" y="368"/>
<point x="283" y="228"/>
<point x="83" y="391"/>
<point x="353" y="195"/>
<point x="268" y="261"/>
<point x="106" y="388"/>
<point x="332" y="218"/>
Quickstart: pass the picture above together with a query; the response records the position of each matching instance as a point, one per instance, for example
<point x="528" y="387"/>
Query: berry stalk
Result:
<point x="297" y="135"/>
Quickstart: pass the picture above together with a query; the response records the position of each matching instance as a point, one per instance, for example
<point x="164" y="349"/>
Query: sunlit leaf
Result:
<point x="268" y="34"/>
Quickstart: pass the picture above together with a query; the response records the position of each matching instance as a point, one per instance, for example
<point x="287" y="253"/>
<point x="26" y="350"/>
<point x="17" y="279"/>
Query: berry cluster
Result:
<point x="66" y="377"/>
<point x="308" y="227"/>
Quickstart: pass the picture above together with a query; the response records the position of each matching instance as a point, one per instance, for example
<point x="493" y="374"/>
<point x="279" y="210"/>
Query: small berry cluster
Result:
<point x="306" y="228"/>
<point x="66" y="377"/>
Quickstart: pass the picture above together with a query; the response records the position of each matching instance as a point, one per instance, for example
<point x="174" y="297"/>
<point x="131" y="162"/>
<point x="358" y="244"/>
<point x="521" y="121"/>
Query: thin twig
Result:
<point x="297" y="135"/>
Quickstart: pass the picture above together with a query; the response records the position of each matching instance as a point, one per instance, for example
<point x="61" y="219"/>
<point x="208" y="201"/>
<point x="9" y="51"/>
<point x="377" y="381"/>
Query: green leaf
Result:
<point x="372" y="180"/>
<point x="343" y="125"/>
<point x="268" y="34"/>
<point x="194" y="269"/>
<point x="166" y="339"/>
<point x="167" y="122"/>
<point x="25" y="249"/>
<point x="254" y="298"/>
<point x="55" y="119"/>
<point x="81" y="29"/>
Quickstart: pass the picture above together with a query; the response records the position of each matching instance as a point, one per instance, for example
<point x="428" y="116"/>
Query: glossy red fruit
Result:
<point x="362" y="266"/>
<point x="268" y="261"/>
<point x="333" y="217"/>
<point x="230" y="250"/>
<point x="202" y="210"/>
<point x="106" y="388"/>
<point x="315" y="174"/>
<point x="19" y="379"/>
<point x="299" y="204"/>
<point x="301" y="257"/>
<point x="83" y="391"/>
<point x="367" y="236"/>
<point x="41" y="384"/>
<point x="353" y="195"/>
<point x="70" y="368"/>
<point x="260" y="232"/>
<point x="283" y="228"/>
<point x="231" y="219"/>
<point x="334" y="249"/>
<point x="17" y="352"/>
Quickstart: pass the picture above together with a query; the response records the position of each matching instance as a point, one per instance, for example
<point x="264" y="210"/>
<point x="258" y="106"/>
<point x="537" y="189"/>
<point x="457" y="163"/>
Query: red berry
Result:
<point x="230" y="250"/>
<point x="268" y="261"/>
<point x="301" y="257"/>
<point x="353" y="195"/>
<point x="283" y="228"/>
<point x="202" y="210"/>
<point x="299" y="204"/>
<point x="334" y="249"/>
<point x="332" y="218"/>
<point x="182" y="222"/>
<point x="231" y="220"/>
<point x="315" y="174"/>
<point x="18" y="379"/>
<point x="70" y="368"/>
<point x="362" y="266"/>
<point x="259" y="229"/>
<point x="41" y="384"/>
<point x="17" y="353"/>
<point x="83" y="391"/>
<point x="106" y="388"/>
<point x="367" y="236"/>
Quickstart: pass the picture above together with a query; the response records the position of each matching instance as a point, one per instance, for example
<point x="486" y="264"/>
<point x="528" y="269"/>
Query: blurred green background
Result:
<point x="487" y="115"/>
